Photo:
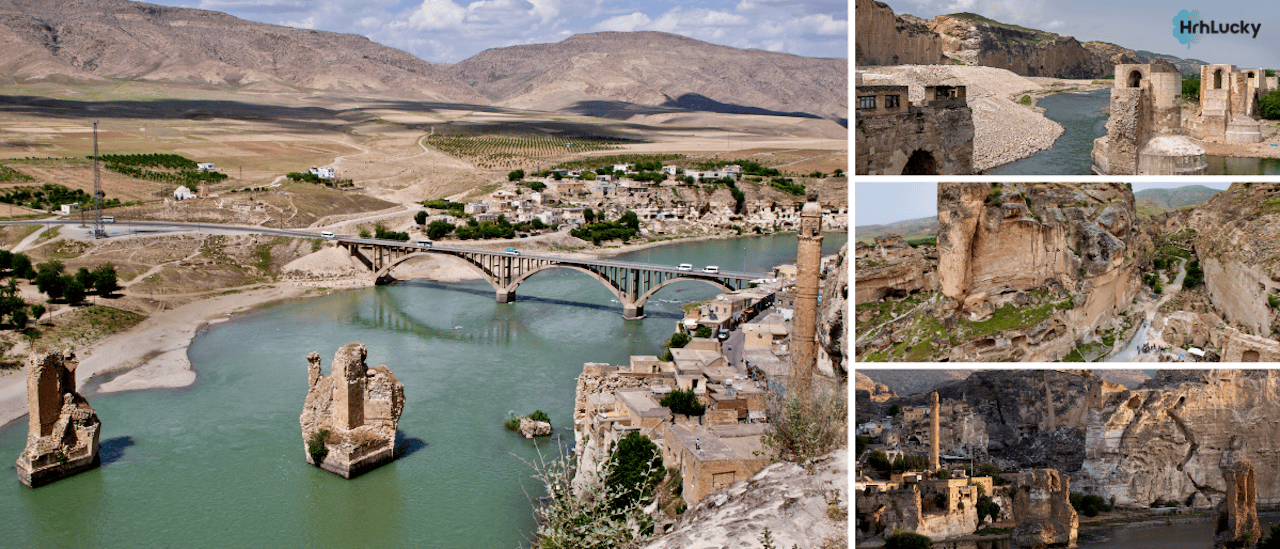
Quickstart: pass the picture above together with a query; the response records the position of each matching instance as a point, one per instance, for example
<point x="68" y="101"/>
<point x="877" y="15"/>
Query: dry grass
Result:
<point x="85" y="325"/>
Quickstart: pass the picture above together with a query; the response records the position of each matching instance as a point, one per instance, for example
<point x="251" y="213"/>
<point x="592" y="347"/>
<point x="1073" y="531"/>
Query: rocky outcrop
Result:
<point x="976" y="40"/>
<point x="867" y="390"/>
<point x="530" y="428"/>
<point x="1237" y="243"/>
<point x="1238" y="512"/>
<point x="884" y="38"/>
<point x="350" y="416"/>
<point x="996" y="241"/>
<point x="1042" y="508"/>
<point x="62" y="429"/>
<point x="891" y="268"/>
<point x="833" y="337"/>
<point x="793" y="503"/>
<point x="1169" y="438"/>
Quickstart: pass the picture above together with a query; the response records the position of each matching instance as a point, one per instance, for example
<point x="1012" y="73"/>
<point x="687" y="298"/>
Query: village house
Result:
<point x="475" y="208"/>
<point x="706" y="461"/>
<point x="322" y="173"/>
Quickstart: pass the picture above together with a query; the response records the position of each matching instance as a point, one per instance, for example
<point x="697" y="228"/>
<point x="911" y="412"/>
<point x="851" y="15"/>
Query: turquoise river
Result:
<point x="220" y="463"/>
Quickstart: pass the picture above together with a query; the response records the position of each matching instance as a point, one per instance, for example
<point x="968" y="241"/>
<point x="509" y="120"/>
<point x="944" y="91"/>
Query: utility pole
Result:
<point x="98" y="232"/>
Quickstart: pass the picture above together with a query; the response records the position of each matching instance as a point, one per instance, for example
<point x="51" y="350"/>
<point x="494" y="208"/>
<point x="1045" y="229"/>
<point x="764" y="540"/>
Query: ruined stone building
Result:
<point x="1238" y="346"/>
<point x="895" y="136"/>
<point x="1237" y="513"/>
<point x="938" y="508"/>
<point x="62" y="429"/>
<point x="1042" y="507"/>
<point x="357" y="406"/>
<point x="1229" y="110"/>
<point x="1145" y="134"/>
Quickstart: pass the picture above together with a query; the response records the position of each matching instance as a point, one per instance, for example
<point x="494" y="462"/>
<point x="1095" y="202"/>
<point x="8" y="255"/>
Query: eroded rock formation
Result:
<point x="1076" y="242"/>
<point x="62" y="429"/>
<point x="1238" y="512"/>
<point x="1042" y="508"/>
<point x="884" y="38"/>
<point x="892" y="268"/>
<point x="357" y="406"/>
<point x="531" y="428"/>
<point x="1168" y="438"/>
<point x="833" y="335"/>
<point x="979" y="41"/>
<point x="867" y="390"/>
<point x="1236" y="241"/>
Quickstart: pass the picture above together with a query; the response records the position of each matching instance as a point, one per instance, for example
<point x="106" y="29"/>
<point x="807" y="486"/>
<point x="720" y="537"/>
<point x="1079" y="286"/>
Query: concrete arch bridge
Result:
<point x="632" y="283"/>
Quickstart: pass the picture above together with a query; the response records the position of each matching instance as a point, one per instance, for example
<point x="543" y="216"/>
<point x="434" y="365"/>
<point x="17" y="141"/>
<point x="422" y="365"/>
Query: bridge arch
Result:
<point x="617" y="292"/>
<point x="488" y="276"/>
<point x="645" y="296"/>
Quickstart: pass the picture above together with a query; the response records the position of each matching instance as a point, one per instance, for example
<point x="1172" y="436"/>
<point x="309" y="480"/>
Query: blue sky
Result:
<point x="1138" y="25"/>
<point x="449" y="31"/>
<point x="881" y="203"/>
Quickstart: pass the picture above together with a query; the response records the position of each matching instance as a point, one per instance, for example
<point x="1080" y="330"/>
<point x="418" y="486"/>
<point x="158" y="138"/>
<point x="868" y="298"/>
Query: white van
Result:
<point x="108" y="219"/>
<point x="711" y="269"/>
<point x="424" y="243"/>
<point x="685" y="267"/>
<point x="327" y="235"/>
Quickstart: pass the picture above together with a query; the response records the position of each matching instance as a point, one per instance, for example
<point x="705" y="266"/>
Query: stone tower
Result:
<point x="1144" y="131"/>
<point x="350" y="417"/>
<point x="934" y="429"/>
<point x="1238" y="511"/>
<point x="62" y="429"/>
<point x="808" y="263"/>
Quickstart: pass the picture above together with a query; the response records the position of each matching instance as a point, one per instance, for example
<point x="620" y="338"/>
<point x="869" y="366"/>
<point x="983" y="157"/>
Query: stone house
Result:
<point x="706" y="462"/>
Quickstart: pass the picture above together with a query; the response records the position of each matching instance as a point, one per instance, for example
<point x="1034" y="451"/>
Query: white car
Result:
<point x="424" y="243"/>
<point x="327" y="235"/>
<point x="711" y="269"/>
<point x="685" y="267"/>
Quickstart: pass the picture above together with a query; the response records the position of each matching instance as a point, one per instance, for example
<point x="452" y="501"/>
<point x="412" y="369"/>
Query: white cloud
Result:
<point x="624" y="23"/>
<point x="433" y="15"/>
<point x="308" y="23"/>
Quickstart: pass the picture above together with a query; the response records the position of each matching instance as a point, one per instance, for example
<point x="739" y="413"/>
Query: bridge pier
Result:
<point x="506" y="296"/>
<point x="632" y="312"/>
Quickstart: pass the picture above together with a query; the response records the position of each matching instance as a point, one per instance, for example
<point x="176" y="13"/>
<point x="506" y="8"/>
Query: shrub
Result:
<point x="539" y="415"/>
<point x="316" y="446"/>
<point x="893" y="410"/>
<point x="438" y="229"/>
<point x="987" y="508"/>
<point x="806" y="423"/>
<point x="515" y="175"/>
<point x="512" y="423"/>
<point x="565" y="521"/>
<point x="420" y="217"/>
<point x="702" y="331"/>
<point x="879" y="461"/>
<point x="683" y="402"/>
<point x="942" y="474"/>
<point x="636" y="464"/>
<point x="1272" y="540"/>
<point x="907" y="540"/>
<point x="1191" y="88"/>
<point x="105" y="280"/>
<point x="1026" y="100"/>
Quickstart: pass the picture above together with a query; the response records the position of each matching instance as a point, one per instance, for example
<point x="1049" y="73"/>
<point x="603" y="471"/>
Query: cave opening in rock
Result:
<point x="1249" y="356"/>
<point x="921" y="163"/>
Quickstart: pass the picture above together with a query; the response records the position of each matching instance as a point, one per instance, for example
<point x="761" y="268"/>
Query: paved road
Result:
<point x="123" y="225"/>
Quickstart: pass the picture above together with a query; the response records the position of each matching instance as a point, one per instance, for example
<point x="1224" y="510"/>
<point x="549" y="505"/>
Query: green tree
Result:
<point x="1191" y="88"/>
<point x="636" y="467"/>
<point x="21" y="265"/>
<point x="515" y="175"/>
<point x="942" y="474"/>
<point x="739" y="200"/>
<point x="1269" y="105"/>
<point x="105" y="280"/>
<point x="838" y="172"/>
<point x="702" y="331"/>
<point x="893" y="410"/>
<point x="589" y="215"/>
<point x="631" y="220"/>
<point x="73" y="290"/>
<point x="683" y="402"/>
<point x="84" y="277"/>
<point x="438" y="229"/>
<point x="51" y="284"/>
<point x="1272" y="541"/>
<point x="37" y="311"/>
<point x="420" y="217"/>
<point x="907" y="540"/>
<point x="987" y="508"/>
<point x="879" y="461"/>
<point x="19" y="319"/>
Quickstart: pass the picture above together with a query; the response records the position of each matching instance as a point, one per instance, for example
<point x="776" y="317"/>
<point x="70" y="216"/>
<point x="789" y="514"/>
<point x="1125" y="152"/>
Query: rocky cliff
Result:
<point x="1170" y="438"/>
<point x="1238" y="243"/>
<point x="792" y="502"/>
<point x="976" y="40"/>
<point x="1066" y="250"/>
<point x="885" y="38"/>
<point x="833" y="332"/>
<point x="892" y="268"/>
<point x="867" y="390"/>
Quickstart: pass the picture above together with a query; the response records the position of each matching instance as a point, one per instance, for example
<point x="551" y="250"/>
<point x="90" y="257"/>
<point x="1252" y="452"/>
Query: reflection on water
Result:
<point x="1195" y="535"/>
<point x="1224" y="165"/>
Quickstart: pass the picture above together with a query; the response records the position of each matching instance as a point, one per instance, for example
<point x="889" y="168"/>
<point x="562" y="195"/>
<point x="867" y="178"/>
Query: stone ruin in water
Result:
<point x="359" y="409"/>
<point x="62" y="432"/>
<point x="1042" y="507"/>
<point x="1238" y="512"/>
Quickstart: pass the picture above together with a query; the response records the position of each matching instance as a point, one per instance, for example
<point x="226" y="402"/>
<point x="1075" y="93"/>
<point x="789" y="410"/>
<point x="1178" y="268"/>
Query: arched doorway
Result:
<point x="1135" y="79"/>
<point x="1249" y="356"/>
<point x="921" y="163"/>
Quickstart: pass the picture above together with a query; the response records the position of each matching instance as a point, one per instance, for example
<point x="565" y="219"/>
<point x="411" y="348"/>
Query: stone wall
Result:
<point x="939" y="138"/>
<point x="1042" y="508"/>
<point x="1241" y="347"/>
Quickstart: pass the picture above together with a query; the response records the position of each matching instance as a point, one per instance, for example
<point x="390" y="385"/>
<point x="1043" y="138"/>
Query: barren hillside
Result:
<point x="119" y="39"/>
<point x="590" y="73"/>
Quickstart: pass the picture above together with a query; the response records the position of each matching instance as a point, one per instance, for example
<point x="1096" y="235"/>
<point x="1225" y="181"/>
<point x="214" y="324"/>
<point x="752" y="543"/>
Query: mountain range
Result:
<point x="113" y="40"/>
<point x="1176" y="197"/>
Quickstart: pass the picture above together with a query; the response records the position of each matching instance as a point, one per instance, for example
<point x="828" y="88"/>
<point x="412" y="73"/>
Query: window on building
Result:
<point x="867" y="102"/>
<point x="891" y="101"/>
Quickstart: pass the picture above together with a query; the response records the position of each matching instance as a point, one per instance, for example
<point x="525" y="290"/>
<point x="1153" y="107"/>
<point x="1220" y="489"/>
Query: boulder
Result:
<point x="530" y="428"/>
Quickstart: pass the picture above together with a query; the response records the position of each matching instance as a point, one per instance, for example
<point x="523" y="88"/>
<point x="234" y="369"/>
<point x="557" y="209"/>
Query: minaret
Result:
<point x="934" y="412"/>
<point x="808" y="263"/>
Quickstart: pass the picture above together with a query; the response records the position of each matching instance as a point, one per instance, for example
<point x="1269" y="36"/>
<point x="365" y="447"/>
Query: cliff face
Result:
<point x="979" y="41"/>
<point x="998" y="241"/>
<point x="1237" y="243"/>
<point x="1171" y="437"/>
<point x="884" y="38"/>
<point x="867" y="390"/>
<point x="891" y="268"/>
<point x="833" y="333"/>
